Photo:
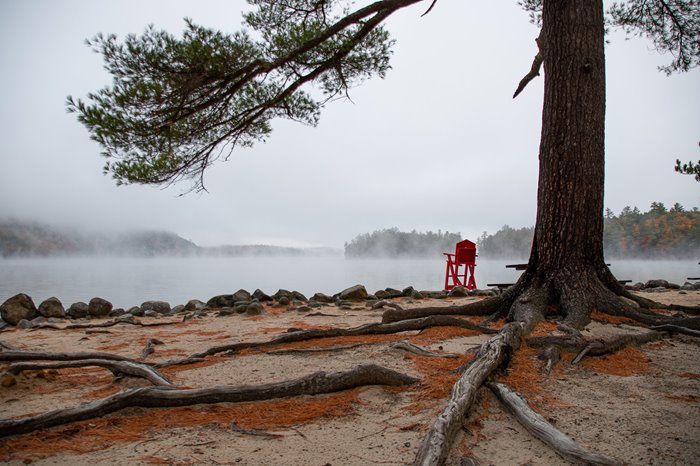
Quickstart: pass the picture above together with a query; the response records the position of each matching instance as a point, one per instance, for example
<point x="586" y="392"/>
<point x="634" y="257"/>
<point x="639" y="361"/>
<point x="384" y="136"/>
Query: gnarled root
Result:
<point x="561" y="443"/>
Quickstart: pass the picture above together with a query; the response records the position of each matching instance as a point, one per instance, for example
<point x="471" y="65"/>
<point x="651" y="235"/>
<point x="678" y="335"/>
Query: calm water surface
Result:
<point x="130" y="281"/>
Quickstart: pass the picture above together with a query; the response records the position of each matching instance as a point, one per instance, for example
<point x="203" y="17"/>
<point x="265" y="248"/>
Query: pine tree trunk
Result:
<point x="567" y="260"/>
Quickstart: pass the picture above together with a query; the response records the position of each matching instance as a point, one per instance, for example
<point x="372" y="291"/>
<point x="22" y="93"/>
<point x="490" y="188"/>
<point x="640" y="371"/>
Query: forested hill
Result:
<point x="31" y="239"/>
<point x="657" y="233"/>
<point x="393" y="243"/>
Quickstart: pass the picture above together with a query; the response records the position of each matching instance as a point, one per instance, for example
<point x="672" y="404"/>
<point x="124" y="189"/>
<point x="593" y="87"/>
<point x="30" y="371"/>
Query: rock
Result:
<point x="17" y="308"/>
<point x="314" y="305"/>
<point x="394" y="293"/>
<point x="458" y="292"/>
<point x="254" y="309"/>
<point x="240" y="309"/>
<point x="382" y="294"/>
<point x="354" y="293"/>
<point x="303" y="309"/>
<point x="52" y="307"/>
<point x="194" y="305"/>
<point x="283" y="300"/>
<point x="150" y="313"/>
<point x="656" y="284"/>
<point x="24" y="324"/>
<point x="298" y="296"/>
<point x="116" y="312"/>
<point x="378" y="304"/>
<point x="135" y="311"/>
<point x="673" y="286"/>
<point x="260" y="296"/>
<point x="77" y="310"/>
<point x="322" y="298"/>
<point x="225" y="311"/>
<point x="3" y="324"/>
<point x="222" y="300"/>
<point x="161" y="307"/>
<point x="408" y="291"/>
<point x="99" y="307"/>
<point x="282" y="294"/>
<point x="242" y="295"/>
<point x="177" y="309"/>
<point x="483" y="293"/>
<point x="415" y="294"/>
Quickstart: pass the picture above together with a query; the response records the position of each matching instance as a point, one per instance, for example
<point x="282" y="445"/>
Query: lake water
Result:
<point x="128" y="282"/>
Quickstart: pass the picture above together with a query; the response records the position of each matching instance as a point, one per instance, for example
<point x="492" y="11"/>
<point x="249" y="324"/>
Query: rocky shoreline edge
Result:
<point x="20" y="310"/>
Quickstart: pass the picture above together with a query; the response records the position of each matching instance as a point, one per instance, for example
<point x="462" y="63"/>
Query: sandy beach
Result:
<point x="639" y="406"/>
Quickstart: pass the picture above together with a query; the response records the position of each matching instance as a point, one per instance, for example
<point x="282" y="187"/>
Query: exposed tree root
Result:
<point x="368" y="329"/>
<point x="677" y="329"/>
<point x="45" y="356"/>
<point x="110" y="323"/>
<point x="152" y="397"/>
<point x="439" y="439"/>
<point x="594" y="347"/>
<point x="551" y="356"/>
<point x="411" y="348"/>
<point x="117" y="367"/>
<point x="561" y="443"/>
<point x="484" y="307"/>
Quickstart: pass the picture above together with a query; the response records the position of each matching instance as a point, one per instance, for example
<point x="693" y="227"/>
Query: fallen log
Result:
<point x="561" y="443"/>
<point x="116" y="367"/>
<point x="155" y="397"/>
<point x="438" y="441"/>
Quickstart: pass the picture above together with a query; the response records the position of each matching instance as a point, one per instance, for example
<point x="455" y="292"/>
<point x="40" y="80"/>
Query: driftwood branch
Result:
<point x="152" y="397"/>
<point x="561" y="443"/>
<point x="439" y="439"/>
<point x="117" y="367"/>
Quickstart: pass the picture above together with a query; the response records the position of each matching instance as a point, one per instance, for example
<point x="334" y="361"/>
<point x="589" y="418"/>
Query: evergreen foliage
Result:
<point x="393" y="243"/>
<point x="658" y="233"/>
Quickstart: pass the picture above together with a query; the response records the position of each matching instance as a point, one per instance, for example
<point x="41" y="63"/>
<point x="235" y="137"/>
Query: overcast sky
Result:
<point x="438" y="144"/>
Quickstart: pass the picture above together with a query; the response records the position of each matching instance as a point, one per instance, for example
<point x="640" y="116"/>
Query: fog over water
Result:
<point x="128" y="282"/>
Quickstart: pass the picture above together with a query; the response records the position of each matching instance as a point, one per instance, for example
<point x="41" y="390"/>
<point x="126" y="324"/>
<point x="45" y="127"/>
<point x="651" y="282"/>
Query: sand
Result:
<point x="640" y="407"/>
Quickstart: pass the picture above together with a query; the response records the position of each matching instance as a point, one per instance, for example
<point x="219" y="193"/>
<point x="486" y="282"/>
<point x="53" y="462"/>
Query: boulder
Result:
<point x="394" y="293"/>
<point x="17" y="308"/>
<point x="160" y="307"/>
<point x="382" y="294"/>
<point x="282" y="294"/>
<point x="177" y="309"/>
<point x="673" y="286"/>
<point x="254" y="309"/>
<point x="222" y="300"/>
<point x="150" y="313"/>
<point x="117" y="312"/>
<point x="99" y="307"/>
<point x="458" y="292"/>
<point x="52" y="307"/>
<point x="322" y="298"/>
<point x="658" y="283"/>
<point x="415" y="294"/>
<point x="354" y="293"/>
<point x="242" y="295"/>
<point x="194" y="305"/>
<point x="260" y="296"/>
<point x="299" y="296"/>
<point x="283" y="300"/>
<point x="24" y="324"/>
<point x="77" y="310"/>
<point x="434" y="294"/>
<point x="135" y="311"/>
<point x="408" y="291"/>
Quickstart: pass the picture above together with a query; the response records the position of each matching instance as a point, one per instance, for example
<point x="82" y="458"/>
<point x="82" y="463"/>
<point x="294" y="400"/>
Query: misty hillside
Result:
<point x="392" y="243"/>
<point x="32" y="239"/>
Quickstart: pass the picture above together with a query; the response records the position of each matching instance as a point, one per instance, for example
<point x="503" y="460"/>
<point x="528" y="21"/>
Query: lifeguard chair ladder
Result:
<point x="464" y="256"/>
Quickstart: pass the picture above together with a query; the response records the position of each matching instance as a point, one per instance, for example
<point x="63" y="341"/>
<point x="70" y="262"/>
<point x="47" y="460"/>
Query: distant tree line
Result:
<point x="394" y="243"/>
<point x="660" y="232"/>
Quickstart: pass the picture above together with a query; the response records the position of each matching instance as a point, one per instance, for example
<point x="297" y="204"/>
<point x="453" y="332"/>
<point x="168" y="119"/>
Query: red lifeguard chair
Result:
<point x="465" y="255"/>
